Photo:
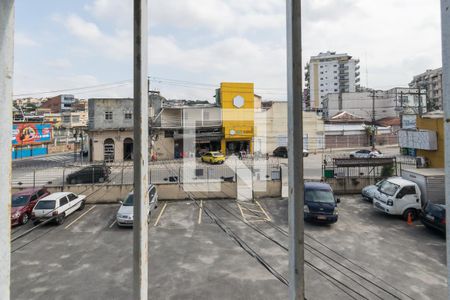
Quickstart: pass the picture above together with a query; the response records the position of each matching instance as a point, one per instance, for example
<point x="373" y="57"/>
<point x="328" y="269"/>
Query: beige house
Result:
<point x="271" y="128"/>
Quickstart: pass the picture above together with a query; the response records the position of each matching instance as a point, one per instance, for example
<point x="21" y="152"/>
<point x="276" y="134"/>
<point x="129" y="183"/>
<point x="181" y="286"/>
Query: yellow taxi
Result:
<point x="213" y="157"/>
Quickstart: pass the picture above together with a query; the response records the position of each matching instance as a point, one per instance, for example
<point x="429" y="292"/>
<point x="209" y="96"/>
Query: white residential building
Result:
<point x="431" y="81"/>
<point x="330" y="73"/>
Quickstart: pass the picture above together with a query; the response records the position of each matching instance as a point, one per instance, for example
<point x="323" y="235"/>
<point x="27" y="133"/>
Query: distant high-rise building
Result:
<point x="330" y="73"/>
<point x="431" y="81"/>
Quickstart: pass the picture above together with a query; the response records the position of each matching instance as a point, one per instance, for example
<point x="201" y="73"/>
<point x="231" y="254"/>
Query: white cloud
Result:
<point x="218" y="40"/>
<point x="22" y="39"/>
<point x="116" y="46"/>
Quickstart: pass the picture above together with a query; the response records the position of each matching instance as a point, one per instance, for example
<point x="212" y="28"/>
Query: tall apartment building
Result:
<point x="329" y="73"/>
<point x="431" y="81"/>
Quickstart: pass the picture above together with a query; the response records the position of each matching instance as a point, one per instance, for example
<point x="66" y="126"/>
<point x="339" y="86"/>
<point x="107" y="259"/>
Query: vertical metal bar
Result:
<point x="140" y="159"/>
<point x="295" y="162"/>
<point x="6" y="86"/>
<point x="445" y="19"/>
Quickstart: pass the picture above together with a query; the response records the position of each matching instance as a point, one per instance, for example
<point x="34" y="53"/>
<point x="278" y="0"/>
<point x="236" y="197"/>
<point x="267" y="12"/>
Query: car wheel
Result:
<point x="149" y="217"/>
<point x="352" y="156"/>
<point x="24" y="219"/>
<point x="60" y="219"/>
<point x="82" y="205"/>
<point x="285" y="155"/>
<point x="411" y="211"/>
<point x="73" y="181"/>
<point x="101" y="179"/>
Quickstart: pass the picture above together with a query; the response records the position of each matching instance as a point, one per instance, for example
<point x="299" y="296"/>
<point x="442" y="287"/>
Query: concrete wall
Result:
<point x="164" y="147"/>
<point x="360" y="104"/>
<point x="350" y="185"/>
<point x="101" y="193"/>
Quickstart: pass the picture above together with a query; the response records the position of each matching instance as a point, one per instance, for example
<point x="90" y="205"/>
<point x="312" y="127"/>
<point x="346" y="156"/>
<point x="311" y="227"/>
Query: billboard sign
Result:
<point x="31" y="133"/>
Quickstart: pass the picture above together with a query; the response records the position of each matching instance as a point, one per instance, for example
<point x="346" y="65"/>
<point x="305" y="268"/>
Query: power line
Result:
<point x="72" y="89"/>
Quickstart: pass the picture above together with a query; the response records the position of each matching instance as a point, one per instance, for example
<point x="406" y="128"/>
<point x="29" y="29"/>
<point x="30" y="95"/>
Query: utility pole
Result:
<point x="445" y="22"/>
<point x="401" y="109"/>
<point x="420" y="101"/>
<point x="373" y="107"/>
<point x="6" y="88"/>
<point x="295" y="161"/>
<point x="140" y="159"/>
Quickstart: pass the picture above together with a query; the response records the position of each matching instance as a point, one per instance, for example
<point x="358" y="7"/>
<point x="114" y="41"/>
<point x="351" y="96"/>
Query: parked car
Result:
<point x="433" y="216"/>
<point x="369" y="192"/>
<point x="320" y="203"/>
<point x="283" y="152"/>
<point x="364" y="153"/>
<point x="91" y="174"/>
<point x="213" y="157"/>
<point x="57" y="206"/>
<point x="124" y="216"/>
<point x="398" y="196"/>
<point x="23" y="203"/>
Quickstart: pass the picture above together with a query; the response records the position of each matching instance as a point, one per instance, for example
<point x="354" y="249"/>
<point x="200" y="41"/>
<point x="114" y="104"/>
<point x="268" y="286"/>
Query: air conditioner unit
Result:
<point x="421" y="162"/>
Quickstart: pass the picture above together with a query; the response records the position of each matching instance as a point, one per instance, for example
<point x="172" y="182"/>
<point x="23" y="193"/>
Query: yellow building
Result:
<point x="238" y="113"/>
<point x="433" y="122"/>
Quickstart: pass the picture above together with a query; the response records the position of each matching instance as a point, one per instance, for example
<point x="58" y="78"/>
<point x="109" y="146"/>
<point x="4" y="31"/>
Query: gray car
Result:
<point x="124" y="216"/>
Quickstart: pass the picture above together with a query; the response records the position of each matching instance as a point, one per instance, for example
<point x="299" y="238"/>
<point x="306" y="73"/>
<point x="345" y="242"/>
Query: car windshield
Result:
<point x="379" y="183"/>
<point x="20" y="200"/>
<point x="217" y="154"/>
<point x="45" y="204"/>
<point x="388" y="188"/>
<point x="129" y="201"/>
<point x="322" y="196"/>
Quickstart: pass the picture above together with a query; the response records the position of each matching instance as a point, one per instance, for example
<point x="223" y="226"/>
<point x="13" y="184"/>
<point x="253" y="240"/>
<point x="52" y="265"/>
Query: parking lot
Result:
<point x="222" y="250"/>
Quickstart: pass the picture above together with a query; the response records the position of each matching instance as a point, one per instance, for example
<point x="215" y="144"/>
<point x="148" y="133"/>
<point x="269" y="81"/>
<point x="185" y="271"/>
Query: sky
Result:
<point x="84" y="47"/>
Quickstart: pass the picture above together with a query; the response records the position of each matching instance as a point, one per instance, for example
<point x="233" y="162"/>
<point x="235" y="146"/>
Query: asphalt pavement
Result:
<point x="217" y="252"/>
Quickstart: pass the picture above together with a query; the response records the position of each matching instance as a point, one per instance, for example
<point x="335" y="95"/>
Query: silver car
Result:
<point x="124" y="216"/>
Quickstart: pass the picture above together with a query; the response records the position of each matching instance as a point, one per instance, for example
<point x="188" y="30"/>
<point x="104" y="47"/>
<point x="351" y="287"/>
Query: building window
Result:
<point x="66" y="119"/>
<point x="335" y="83"/>
<point x="108" y="115"/>
<point x="75" y="119"/>
<point x="128" y="116"/>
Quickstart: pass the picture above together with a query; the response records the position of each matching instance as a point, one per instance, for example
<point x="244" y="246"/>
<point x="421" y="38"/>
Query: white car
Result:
<point x="364" y="153"/>
<point x="125" y="216"/>
<point x="57" y="206"/>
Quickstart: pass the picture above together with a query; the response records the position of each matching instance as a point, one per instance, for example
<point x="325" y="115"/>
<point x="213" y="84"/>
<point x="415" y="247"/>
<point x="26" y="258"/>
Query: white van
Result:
<point x="398" y="196"/>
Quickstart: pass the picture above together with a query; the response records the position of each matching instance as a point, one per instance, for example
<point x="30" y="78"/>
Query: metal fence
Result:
<point x="166" y="173"/>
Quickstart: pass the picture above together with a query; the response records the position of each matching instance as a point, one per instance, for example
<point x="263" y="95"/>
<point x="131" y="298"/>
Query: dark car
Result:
<point x="320" y="203"/>
<point x="283" y="152"/>
<point x="91" y="174"/>
<point x="280" y="152"/>
<point x="23" y="203"/>
<point x="433" y="216"/>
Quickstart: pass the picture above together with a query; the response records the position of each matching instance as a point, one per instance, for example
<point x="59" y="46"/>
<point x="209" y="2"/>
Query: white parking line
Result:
<point x="80" y="216"/>
<point x="200" y="211"/>
<point x="160" y="214"/>
<point x="112" y="224"/>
